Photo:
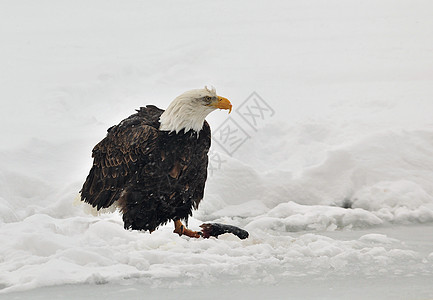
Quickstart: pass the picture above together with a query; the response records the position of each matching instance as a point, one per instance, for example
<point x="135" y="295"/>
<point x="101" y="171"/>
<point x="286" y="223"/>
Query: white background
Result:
<point x="351" y="86"/>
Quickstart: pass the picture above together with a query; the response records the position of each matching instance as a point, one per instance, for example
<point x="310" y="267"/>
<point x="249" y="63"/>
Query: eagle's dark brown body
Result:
<point x="153" y="176"/>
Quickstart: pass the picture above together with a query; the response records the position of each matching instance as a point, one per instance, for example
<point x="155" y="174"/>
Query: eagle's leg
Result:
<point x="180" y="229"/>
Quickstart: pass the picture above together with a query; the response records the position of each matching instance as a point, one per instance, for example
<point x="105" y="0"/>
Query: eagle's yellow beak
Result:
<point x="223" y="103"/>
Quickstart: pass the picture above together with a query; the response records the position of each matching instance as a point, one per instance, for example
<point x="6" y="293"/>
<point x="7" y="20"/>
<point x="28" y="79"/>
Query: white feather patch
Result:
<point x="187" y="112"/>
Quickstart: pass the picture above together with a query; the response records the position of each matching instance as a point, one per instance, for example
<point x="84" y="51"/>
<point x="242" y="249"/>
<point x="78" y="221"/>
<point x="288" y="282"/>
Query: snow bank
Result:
<point x="50" y="251"/>
<point x="384" y="178"/>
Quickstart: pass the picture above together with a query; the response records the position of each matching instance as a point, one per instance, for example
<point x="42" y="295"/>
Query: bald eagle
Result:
<point x="153" y="164"/>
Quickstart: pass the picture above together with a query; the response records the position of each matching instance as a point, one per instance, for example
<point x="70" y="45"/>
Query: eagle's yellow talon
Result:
<point x="180" y="229"/>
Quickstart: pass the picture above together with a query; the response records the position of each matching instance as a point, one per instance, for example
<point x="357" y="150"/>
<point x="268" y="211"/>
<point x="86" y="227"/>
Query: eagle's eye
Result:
<point x="208" y="99"/>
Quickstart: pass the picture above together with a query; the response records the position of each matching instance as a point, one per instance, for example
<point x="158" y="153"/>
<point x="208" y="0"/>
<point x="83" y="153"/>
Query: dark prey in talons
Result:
<point x="216" y="229"/>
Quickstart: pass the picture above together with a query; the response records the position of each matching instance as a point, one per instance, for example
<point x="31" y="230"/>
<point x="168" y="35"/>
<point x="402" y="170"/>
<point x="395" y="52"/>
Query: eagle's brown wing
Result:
<point x="115" y="158"/>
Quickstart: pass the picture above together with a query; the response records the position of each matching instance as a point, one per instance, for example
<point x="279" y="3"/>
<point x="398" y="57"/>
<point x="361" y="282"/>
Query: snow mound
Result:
<point x="97" y="250"/>
<point x="383" y="178"/>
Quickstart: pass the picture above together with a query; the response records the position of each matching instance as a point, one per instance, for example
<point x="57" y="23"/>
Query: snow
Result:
<point x="335" y="186"/>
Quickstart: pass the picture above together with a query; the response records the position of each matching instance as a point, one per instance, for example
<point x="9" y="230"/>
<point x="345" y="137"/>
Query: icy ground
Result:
<point x="334" y="182"/>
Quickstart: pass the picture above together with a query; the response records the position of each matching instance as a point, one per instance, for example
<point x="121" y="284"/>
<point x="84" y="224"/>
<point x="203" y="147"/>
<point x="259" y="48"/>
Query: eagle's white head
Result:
<point x="189" y="110"/>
